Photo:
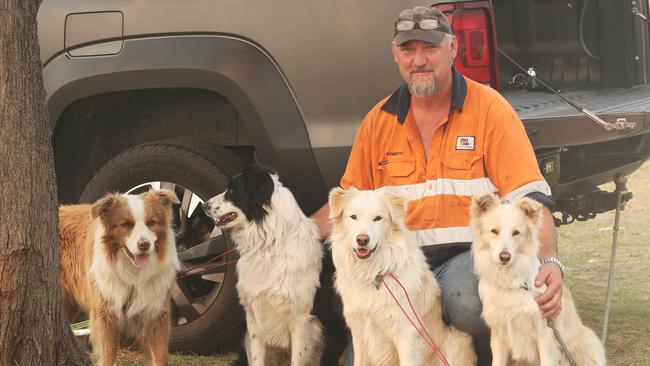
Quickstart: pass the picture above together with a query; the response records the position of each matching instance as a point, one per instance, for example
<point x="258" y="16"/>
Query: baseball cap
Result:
<point x="421" y="23"/>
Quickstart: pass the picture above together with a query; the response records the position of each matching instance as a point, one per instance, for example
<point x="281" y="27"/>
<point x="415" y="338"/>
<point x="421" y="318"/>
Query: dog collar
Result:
<point x="378" y="280"/>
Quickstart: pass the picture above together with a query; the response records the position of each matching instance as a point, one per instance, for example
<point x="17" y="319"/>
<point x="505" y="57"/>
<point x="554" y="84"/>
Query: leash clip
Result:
<point x="377" y="281"/>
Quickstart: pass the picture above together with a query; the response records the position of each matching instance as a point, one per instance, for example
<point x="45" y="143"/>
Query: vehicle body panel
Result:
<point x="326" y="38"/>
<point x="280" y="136"/>
<point x="326" y="64"/>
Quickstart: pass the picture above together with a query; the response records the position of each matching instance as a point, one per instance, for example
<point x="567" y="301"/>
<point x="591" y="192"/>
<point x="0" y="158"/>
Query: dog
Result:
<point x="279" y="273"/>
<point x="505" y="251"/>
<point x="118" y="264"/>
<point x="370" y="244"/>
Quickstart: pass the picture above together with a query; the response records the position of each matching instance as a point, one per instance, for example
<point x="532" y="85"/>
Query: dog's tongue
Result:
<point x="362" y="252"/>
<point x="141" y="260"/>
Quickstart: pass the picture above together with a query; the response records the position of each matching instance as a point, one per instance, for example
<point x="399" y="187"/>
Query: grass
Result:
<point x="585" y="248"/>
<point x="127" y="358"/>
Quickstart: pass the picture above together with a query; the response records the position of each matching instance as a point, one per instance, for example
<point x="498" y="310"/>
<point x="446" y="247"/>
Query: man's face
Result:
<point x="425" y="65"/>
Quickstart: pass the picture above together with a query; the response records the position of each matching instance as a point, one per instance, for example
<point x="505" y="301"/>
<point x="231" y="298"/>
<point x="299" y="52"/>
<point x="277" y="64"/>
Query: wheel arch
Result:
<point x="239" y="71"/>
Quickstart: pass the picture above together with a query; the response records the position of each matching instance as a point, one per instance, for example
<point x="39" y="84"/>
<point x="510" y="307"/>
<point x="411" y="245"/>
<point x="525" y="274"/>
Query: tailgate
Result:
<point x="551" y="122"/>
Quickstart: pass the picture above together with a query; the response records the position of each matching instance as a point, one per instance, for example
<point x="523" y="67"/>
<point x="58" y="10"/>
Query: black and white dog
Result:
<point x="284" y="283"/>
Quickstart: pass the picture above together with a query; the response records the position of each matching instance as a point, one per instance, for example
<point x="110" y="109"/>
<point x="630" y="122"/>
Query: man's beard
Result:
<point x="423" y="86"/>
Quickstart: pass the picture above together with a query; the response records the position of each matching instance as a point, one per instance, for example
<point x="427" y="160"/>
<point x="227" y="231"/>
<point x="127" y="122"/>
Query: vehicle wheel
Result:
<point x="205" y="309"/>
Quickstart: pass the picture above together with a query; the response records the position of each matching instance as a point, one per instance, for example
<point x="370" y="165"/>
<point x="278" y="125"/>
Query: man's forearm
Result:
<point x="550" y="302"/>
<point x="322" y="220"/>
<point x="547" y="235"/>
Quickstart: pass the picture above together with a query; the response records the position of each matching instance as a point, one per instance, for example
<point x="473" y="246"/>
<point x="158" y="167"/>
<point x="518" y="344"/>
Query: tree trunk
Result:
<point x="33" y="327"/>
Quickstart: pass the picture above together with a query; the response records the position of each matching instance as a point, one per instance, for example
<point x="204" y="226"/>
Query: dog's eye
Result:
<point x="152" y="222"/>
<point x="377" y="218"/>
<point x="127" y="224"/>
<point x="353" y="217"/>
<point x="515" y="233"/>
<point x="494" y="231"/>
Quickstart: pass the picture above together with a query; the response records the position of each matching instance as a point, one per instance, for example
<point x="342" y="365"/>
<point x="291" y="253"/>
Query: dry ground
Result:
<point x="585" y="248"/>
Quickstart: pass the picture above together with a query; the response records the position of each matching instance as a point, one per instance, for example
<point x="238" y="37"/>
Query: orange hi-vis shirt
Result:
<point x="481" y="147"/>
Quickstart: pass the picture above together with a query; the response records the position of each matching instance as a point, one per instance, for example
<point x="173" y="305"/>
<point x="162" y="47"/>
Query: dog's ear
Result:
<point x="336" y="202"/>
<point x="259" y="187"/>
<point x="104" y="205"/>
<point x="483" y="204"/>
<point x="397" y="206"/>
<point x="165" y="196"/>
<point x="531" y="208"/>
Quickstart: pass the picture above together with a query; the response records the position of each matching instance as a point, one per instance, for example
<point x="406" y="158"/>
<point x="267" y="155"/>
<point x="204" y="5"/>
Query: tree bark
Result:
<point x="33" y="327"/>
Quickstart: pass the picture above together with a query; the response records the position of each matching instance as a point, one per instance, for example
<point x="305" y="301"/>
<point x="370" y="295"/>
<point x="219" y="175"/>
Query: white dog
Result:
<point x="279" y="267"/>
<point x="505" y="253"/>
<point x="370" y="241"/>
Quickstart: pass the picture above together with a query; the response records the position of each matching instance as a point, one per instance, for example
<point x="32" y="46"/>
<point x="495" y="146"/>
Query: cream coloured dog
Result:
<point x="370" y="241"/>
<point x="506" y="260"/>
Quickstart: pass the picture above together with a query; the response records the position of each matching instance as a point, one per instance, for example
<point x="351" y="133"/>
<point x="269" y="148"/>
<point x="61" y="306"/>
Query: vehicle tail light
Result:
<point x="473" y="25"/>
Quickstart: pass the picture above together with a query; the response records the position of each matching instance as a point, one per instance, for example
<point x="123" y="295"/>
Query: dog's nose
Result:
<point x="206" y="207"/>
<point x="363" y="240"/>
<point x="144" y="244"/>
<point x="504" y="257"/>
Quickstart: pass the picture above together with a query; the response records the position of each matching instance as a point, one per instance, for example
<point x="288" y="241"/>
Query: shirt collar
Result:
<point x="399" y="102"/>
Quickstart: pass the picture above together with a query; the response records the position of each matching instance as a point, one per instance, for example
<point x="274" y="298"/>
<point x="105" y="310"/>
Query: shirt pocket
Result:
<point x="399" y="177"/>
<point x="462" y="165"/>
<point x="462" y="175"/>
<point x="399" y="169"/>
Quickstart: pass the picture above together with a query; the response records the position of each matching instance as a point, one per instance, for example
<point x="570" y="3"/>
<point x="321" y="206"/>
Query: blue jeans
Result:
<point x="461" y="306"/>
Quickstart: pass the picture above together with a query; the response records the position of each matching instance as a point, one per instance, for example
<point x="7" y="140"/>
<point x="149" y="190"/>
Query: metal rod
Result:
<point x="622" y="126"/>
<point x="638" y="13"/>
<point x="620" y="181"/>
<point x="569" y="101"/>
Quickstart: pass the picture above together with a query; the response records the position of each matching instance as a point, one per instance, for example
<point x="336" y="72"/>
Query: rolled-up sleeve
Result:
<point x="358" y="172"/>
<point x="510" y="160"/>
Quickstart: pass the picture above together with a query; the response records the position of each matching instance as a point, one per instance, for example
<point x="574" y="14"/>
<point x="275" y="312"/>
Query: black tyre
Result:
<point x="206" y="312"/>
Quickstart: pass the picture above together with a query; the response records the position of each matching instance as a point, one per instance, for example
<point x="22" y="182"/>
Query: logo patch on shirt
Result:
<point x="465" y="143"/>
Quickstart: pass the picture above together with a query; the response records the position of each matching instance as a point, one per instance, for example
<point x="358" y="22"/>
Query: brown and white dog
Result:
<point x="118" y="263"/>
<point x="505" y="252"/>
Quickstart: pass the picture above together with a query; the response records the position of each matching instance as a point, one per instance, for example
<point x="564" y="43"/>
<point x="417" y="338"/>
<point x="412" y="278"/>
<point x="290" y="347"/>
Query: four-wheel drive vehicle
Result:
<point x="181" y="94"/>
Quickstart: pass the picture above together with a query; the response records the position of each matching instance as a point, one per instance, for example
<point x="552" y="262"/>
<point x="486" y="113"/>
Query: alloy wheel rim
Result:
<point x="197" y="240"/>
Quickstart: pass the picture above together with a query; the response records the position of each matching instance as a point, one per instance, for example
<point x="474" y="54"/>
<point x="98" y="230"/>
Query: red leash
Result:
<point x="186" y="272"/>
<point x="421" y="329"/>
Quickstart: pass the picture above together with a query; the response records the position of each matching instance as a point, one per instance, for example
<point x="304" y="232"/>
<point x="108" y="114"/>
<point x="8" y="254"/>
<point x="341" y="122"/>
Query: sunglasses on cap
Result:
<point x="426" y="24"/>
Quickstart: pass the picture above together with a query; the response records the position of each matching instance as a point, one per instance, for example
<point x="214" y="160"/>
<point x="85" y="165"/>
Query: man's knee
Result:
<point x="463" y="311"/>
<point x="461" y="305"/>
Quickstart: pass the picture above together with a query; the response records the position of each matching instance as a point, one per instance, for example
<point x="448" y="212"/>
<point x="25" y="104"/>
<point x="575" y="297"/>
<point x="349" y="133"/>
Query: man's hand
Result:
<point x="550" y="301"/>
